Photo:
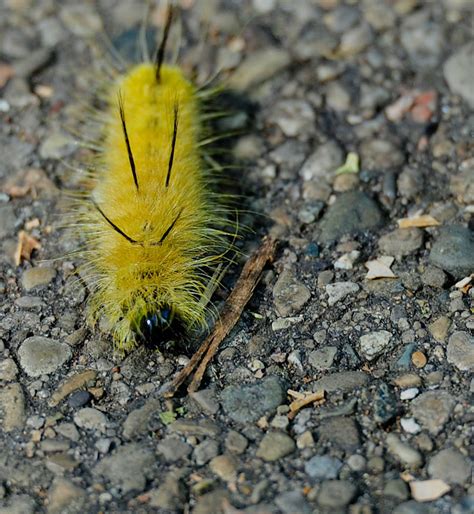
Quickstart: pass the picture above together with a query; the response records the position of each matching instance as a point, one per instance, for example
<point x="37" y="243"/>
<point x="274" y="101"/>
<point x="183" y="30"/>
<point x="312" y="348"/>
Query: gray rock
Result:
<point x="275" y="445"/>
<point x="8" y="217"/>
<point x="65" y="497"/>
<point x="81" y="19"/>
<point x="434" y="277"/>
<point x="8" y="370"/>
<point x="339" y="431"/>
<point x="401" y="241"/>
<point x="42" y="356"/>
<point x="235" y="442"/>
<point x="289" y="294"/>
<point x="461" y="351"/>
<point x="91" y="419"/>
<point x="384" y="403"/>
<point x="12" y="407"/>
<point x="403" y="452"/>
<point x="459" y="72"/>
<point x="202" y="427"/>
<point x="461" y="184"/>
<point x="341" y="381"/>
<point x="322" y="467"/>
<point x="453" y="251"/>
<point x="410" y="183"/>
<point x="56" y="146"/>
<point x="35" y="277"/>
<point x="322" y="163"/>
<point x="412" y="507"/>
<point x="451" y="466"/>
<point x="170" y="495"/>
<point x="396" y="488"/>
<point x="351" y="213"/>
<point x="225" y="467"/>
<point x="379" y="155"/>
<point x="173" y="449"/>
<point x="205" y="451"/>
<point x="211" y="502"/>
<point x="206" y="400"/>
<point x="293" y="502"/>
<point x="336" y="493"/>
<point x="248" y="403"/>
<point x="19" y="504"/>
<point x="340" y="290"/>
<point x="323" y="358"/>
<point x="374" y="343"/>
<point x="136" y="423"/>
<point x="433" y="409"/>
<point x="294" y="117"/>
<point x="127" y="469"/>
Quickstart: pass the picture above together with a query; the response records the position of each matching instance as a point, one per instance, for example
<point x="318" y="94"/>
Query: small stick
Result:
<point x="230" y="314"/>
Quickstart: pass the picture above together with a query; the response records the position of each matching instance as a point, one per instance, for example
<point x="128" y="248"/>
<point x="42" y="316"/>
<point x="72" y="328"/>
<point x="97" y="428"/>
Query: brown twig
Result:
<point x="230" y="314"/>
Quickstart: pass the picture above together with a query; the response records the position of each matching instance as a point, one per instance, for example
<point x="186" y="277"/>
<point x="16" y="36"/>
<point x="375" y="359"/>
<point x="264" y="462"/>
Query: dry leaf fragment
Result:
<point x="422" y="221"/>
<point x="25" y="247"/>
<point x="350" y="166"/>
<point x="428" y="490"/>
<point x="380" y="268"/>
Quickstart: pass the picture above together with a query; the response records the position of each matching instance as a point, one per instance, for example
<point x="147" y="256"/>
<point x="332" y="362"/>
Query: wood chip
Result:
<point x="380" y="268"/>
<point x="464" y="284"/>
<point x="428" y="490"/>
<point x="25" y="247"/>
<point x="307" y="398"/>
<point x="229" y="316"/>
<point x="422" y="221"/>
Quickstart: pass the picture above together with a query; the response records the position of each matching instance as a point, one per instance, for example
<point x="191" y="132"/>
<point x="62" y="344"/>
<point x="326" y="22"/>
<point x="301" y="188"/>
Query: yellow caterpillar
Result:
<point x="154" y="229"/>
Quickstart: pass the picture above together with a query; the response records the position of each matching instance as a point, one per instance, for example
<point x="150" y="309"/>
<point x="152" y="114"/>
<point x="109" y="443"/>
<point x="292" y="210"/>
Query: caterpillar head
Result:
<point x="159" y="327"/>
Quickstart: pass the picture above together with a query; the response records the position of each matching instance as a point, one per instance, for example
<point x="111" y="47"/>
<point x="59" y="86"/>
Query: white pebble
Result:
<point x="410" y="425"/>
<point x="409" y="394"/>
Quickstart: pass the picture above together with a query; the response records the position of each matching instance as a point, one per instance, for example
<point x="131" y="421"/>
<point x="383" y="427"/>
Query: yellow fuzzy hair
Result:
<point x="153" y="238"/>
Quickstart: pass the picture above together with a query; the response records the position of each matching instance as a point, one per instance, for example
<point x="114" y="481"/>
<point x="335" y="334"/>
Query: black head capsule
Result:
<point x="160" y="329"/>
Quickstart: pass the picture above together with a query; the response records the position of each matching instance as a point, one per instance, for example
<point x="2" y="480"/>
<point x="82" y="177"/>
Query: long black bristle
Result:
<point x="127" y="141"/>
<point x="173" y="143"/>
<point x="161" y="50"/>
<point x="169" y="229"/>
<point x="114" y="226"/>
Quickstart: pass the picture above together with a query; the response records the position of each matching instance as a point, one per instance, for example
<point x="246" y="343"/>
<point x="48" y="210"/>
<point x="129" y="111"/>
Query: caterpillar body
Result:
<point x="154" y="229"/>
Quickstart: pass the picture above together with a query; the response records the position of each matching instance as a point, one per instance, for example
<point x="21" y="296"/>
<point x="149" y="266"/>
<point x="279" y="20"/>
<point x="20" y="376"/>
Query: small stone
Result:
<point x="42" y="356"/>
<point x="35" y="277"/>
<point x="323" y="358"/>
<point x="337" y="97"/>
<point x="274" y="446"/>
<point x="450" y="466"/>
<point x="81" y="19"/>
<point x="56" y="146"/>
<point x="380" y="154"/>
<point x="433" y="409"/>
<point x="248" y="403"/>
<point x="19" y="504"/>
<point x="357" y="462"/>
<point x="385" y="404"/>
<point x="235" y="442"/>
<point x="171" y="495"/>
<point x="72" y="384"/>
<point x="79" y="399"/>
<point x="136" y="423"/>
<point x="459" y="73"/>
<point x="351" y="213"/>
<point x="403" y="452"/>
<point x="127" y="469"/>
<point x="409" y="394"/>
<point x="64" y="496"/>
<point x="410" y="425"/>
<point x="336" y="493"/>
<point x="294" y="117"/>
<point x="410" y="183"/>
<point x="428" y="490"/>
<point x="396" y="489"/>
<point x="461" y="351"/>
<point x="401" y="241"/>
<point x="293" y="502"/>
<point x="305" y="440"/>
<point x="341" y="381"/>
<point x="12" y="407"/>
<point x="453" y="251"/>
<point x="289" y="294"/>
<point x="419" y="359"/>
<point x="340" y="290"/>
<point x="341" y="432"/>
<point x="206" y="399"/>
<point x="211" y="502"/>
<point x="408" y="380"/>
<point x="322" y="467"/>
<point x="434" y="277"/>
<point x="91" y="419"/>
<point x="225" y="467"/>
<point x="8" y="370"/>
<point x="439" y="328"/>
<point x="205" y="451"/>
<point x="68" y="430"/>
<point x="203" y="427"/>
<point x="322" y="163"/>
<point x="173" y="449"/>
<point x="374" y="343"/>
<point x="345" y="182"/>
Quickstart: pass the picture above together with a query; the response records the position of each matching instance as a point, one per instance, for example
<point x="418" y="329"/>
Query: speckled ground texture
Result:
<point x="84" y="430"/>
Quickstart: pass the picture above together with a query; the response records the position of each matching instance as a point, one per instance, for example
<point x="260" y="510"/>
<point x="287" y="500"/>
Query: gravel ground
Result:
<point x="360" y="115"/>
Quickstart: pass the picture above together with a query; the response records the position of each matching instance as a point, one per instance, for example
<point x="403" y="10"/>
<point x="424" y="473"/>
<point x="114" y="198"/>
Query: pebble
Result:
<point x="42" y="356"/>
<point x="385" y="404"/>
<point x="12" y="407"/>
<point x="91" y="419"/>
<point x="434" y="277"/>
<point x="450" y="466"/>
<point x="68" y="430"/>
<point x="274" y="446"/>
<point x="8" y="217"/>
<point x="247" y="403"/>
<point x="81" y="19"/>
<point x="341" y="381"/>
<point x="323" y="162"/>
<point x="403" y="452"/>
<point x="355" y="40"/>
<point x="8" y="370"/>
<point x="374" y="343"/>
<point x="459" y="73"/>
<point x="401" y="241"/>
<point x="408" y="380"/>
<point x="293" y="502"/>
<point x="19" y="504"/>
<point x="235" y="442"/>
<point x="225" y="467"/>
<point x="322" y="467"/>
<point x="340" y="432"/>
<point x="294" y="117"/>
<point x="79" y="399"/>
<point x="409" y="394"/>
<point x="380" y="154"/>
<point x="323" y="358"/>
<point x="396" y="488"/>
<point x="347" y="260"/>
<point x="211" y="502"/>
<point x="460" y="351"/>
<point x="206" y="400"/>
<point x="171" y="495"/>
<point x="433" y="409"/>
<point x="357" y="462"/>
<point x="351" y="213"/>
<point x="410" y="426"/>
<point x="205" y="451"/>
<point x="439" y="328"/>
<point x="65" y="496"/>
<point x="335" y="494"/>
<point x="340" y="290"/>
<point x="259" y="66"/>
<point x="36" y="277"/>
<point x="419" y="359"/>
<point x="173" y="449"/>
<point x="56" y="146"/>
<point x="462" y="184"/>
<point x="453" y="251"/>
<point x="201" y="427"/>
<point x="428" y="490"/>
<point x="410" y="183"/>
<point x="290" y="295"/>
<point x="128" y="468"/>
<point x="136" y="423"/>
<point x="71" y="384"/>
